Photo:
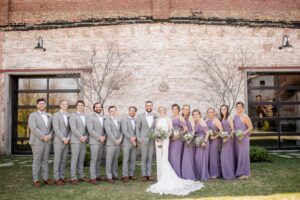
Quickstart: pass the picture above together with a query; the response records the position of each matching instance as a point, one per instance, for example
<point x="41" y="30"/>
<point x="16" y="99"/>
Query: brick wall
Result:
<point x="2" y="111"/>
<point x="45" y="11"/>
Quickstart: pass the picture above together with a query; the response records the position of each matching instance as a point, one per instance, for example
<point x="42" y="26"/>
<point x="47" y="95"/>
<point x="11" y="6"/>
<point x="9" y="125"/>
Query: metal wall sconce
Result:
<point x="285" y="42"/>
<point x="39" y="45"/>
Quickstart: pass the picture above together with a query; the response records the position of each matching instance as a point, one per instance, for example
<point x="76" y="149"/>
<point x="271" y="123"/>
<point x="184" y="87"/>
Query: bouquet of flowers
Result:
<point x="176" y="134"/>
<point x="239" y="134"/>
<point x="188" y="137"/>
<point x="211" y="132"/>
<point x="158" y="134"/>
<point x="199" y="140"/>
<point x="224" y="134"/>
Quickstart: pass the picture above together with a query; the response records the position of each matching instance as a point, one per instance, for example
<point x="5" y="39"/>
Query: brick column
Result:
<point x="4" y="13"/>
<point x="161" y="9"/>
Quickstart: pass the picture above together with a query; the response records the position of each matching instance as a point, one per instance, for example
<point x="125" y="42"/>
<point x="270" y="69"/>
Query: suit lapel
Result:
<point x="97" y="119"/>
<point x="129" y="123"/>
<point x="41" y="119"/>
<point x="145" y="119"/>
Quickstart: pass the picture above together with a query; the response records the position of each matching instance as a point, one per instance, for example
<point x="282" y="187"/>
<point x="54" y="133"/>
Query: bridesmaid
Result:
<point x="201" y="153"/>
<point x="176" y="146"/>
<point x="227" y="151"/>
<point x="215" y="125"/>
<point x="188" y="161"/>
<point x="242" y="147"/>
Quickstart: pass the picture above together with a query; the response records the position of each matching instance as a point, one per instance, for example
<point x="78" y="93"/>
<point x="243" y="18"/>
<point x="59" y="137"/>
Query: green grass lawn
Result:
<point x="279" y="179"/>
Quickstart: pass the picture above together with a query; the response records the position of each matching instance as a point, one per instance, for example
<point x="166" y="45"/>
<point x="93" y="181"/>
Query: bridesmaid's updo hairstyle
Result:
<point x="227" y="112"/>
<point x="175" y="105"/>
<point x="212" y="109"/>
<point x="186" y="105"/>
<point x="196" y="111"/>
<point x="239" y="103"/>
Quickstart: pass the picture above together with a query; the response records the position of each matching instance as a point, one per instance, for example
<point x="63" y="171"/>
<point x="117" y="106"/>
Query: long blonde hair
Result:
<point x="190" y="118"/>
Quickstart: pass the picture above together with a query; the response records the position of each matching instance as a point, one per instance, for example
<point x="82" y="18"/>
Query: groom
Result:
<point x="144" y="126"/>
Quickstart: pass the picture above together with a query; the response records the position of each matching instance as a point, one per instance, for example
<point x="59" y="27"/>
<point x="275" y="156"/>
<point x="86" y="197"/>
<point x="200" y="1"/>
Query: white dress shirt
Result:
<point x="115" y="121"/>
<point x="82" y="117"/>
<point x="64" y="114"/>
<point x="149" y="118"/>
<point x="44" y="117"/>
<point x="132" y="119"/>
<point x="100" y="119"/>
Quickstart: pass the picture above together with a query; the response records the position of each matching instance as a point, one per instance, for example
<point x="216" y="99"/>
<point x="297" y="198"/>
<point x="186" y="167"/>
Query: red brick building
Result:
<point x="163" y="34"/>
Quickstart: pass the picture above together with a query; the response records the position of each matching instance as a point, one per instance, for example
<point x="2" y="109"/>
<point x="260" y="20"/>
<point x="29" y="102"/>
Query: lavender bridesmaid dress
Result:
<point x="188" y="161"/>
<point x="176" y="148"/>
<point x="214" y="155"/>
<point x="242" y="149"/>
<point x="227" y="155"/>
<point x="201" y="156"/>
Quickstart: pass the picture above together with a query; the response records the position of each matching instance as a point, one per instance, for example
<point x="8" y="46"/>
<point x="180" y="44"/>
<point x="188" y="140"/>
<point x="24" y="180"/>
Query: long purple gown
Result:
<point x="227" y="155"/>
<point x="201" y="156"/>
<point x="176" y="148"/>
<point x="214" y="155"/>
<point x="242" y="149"/>
<point x="188" y="161"/>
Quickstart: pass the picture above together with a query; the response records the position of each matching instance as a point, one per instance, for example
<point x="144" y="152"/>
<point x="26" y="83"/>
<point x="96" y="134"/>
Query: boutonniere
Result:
<point x="49" y="115"/>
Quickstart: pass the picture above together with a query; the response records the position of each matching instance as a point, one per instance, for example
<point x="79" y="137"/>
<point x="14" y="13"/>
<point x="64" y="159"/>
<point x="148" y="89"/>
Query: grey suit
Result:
<point x="40" y="149"/>
<point x="95" y="130"/>
<point x="147" y="146"/>
<point x="129" y="151"/>
<point x="61" y="131"/>
<point x="112" y="150"/>
<point x="78" y="148"/>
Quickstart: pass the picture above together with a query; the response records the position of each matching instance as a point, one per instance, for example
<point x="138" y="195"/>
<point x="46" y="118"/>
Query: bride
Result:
<point x="167" y="180"/>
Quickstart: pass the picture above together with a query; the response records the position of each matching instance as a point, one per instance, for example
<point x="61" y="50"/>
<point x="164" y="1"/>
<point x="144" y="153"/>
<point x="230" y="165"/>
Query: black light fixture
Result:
<point x="39" y="45"/>
<point x="285" y="42"/>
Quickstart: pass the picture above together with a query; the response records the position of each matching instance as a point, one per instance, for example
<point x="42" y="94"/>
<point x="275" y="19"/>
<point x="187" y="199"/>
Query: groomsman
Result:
<point x="40" y="140"/>
<point x="61" y="141"/>
<point x="78" y="142"/>
<point x="144" y="126"/>
<point x="114" y="139"/>
<point x="129" y="144"/>
<point x="95" y="126"/>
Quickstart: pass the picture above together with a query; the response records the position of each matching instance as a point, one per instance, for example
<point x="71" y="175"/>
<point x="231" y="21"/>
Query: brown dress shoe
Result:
<point x="99" y="178"/>
<point x="150" y="178"/>
<point x="36" y="184"/>
<point x="84" y="179"/>
<point x="48" y="182"/>
<point x="64" y="180"/>
<point x="109" y="181"/>
<point x="125" y="179"/>
<point x="74" y="182"/>
<point x="115" y="178"/>
<point x="144" y="179"/>
<point x="132" y="178"/>
<point x="94" y="181"/>
<point x="58" y="182"/>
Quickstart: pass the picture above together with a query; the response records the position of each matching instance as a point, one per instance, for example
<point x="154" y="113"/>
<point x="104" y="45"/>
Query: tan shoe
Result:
<point x="37" y="184"/>
<point x="144" y="179"/>
<point x="58" y="182"/>
<point x="150" y="178"/>
<point x="48" y="182"/>
<point x="99" y="178"/>
<point x="84" y="179"/>
<point x="109" y="181"/>
<point x="64" y="180"/>
<point x="74" y="182"/>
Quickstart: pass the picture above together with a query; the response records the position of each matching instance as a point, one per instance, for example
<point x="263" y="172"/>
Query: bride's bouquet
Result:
<point x="188" y="137"/>
<point x="158" y="134"/>
<point x="199" y="141"/>
<point x="176" y="134"/>
<point x="239" y="134"/>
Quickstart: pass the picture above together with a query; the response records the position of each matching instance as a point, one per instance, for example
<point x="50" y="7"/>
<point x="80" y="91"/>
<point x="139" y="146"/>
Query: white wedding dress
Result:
<point x="168" y="181"/>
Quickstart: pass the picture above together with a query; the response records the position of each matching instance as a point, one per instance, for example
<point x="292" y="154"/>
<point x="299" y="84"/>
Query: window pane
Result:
<point x="265" y="141"/>
<point x="23" y="145"/>
<point x="30" y="98"/>
<point x="22" y="130"/>
<point x="261" y="95"/>
<point x="256" y="80"/>
<point x="55" y="98"/>
<point x="290" y="126"/>
<point x="264" y="126"/>
<point x="290" y="110"/>
<point x="266" y="110"/>
<point x="289" y="80"/>
<point x="23" y="114"/>
<point x="290" y="141"/>
<point x="62" y="83"/>
<point x="292" y="95"/>
<point x="32" y="84"/>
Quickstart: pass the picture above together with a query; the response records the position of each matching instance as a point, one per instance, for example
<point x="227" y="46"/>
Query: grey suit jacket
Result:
<point x="95" y="129"/>
<point x="113" y="132"/>
<point x="142" y="128"/>
<point x="127" y="131"/>
<point x="78" y="129"/>
<point x="61" y="130"/>
<point x="38" y="129"/>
